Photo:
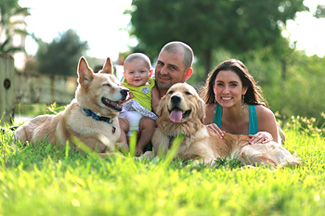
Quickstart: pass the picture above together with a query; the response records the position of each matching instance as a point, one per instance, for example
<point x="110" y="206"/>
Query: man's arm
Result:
<point x="154" y="99"/>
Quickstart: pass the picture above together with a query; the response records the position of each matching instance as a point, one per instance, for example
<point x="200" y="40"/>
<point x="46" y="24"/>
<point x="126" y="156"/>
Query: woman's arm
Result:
<point x="209" y="118"/>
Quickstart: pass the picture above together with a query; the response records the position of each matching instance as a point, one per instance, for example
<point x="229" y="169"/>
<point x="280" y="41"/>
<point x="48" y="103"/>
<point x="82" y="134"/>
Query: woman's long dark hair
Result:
<point x="253" y="94"/>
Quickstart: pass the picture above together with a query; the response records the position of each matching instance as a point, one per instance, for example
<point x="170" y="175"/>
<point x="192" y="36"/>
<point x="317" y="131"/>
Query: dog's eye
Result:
<point x="188" y="93"/>
<point x="171" y="92"/>
<point x="107" y="84"/>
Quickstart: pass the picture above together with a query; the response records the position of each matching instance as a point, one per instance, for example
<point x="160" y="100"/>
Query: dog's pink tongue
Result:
<point x="176" y="115"/>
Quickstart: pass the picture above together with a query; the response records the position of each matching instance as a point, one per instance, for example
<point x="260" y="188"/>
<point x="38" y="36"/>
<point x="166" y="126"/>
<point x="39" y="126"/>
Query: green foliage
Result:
<point x="306" y="126"/>
<point x="11" y="23"/>
<point x="61" y="56"/>
<point x="300" y="93"/>
<point x="7" y="48"/>
<point x="320" y="11"/>
<point x="303" y="88"/>
<point x="46" y="180"/>
<point x="208" y="25"/>
<point x="37" y="109"/>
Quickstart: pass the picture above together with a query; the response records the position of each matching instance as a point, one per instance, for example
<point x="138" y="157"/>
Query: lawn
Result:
<point x="48" y="181"/>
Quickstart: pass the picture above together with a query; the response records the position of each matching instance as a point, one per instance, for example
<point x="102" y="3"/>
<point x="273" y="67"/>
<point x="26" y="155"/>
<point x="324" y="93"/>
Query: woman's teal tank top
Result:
<point x="252" y="128"/>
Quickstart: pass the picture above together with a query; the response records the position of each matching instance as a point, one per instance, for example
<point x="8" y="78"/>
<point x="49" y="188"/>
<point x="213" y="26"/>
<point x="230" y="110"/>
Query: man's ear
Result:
<point x="188" y="73"/>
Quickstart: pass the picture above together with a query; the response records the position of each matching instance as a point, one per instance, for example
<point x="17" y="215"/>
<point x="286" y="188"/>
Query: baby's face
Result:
<point x="136" y="72"/>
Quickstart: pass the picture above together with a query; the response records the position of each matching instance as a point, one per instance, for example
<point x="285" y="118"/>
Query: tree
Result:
<point x="320" y="11"/>
<point x="207" y="25"/>
<point x="60" y="57"/>
<point x="10" y="9"/>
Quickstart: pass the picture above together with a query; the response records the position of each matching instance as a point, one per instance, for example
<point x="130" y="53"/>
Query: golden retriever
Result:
<point x="181" y="111"/>
<point x="91" y="117"/>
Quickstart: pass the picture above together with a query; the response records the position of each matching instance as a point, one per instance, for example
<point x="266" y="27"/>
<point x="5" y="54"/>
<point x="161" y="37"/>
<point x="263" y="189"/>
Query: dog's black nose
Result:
<point x="124" y="93"/>
<point x="175" y="99"/>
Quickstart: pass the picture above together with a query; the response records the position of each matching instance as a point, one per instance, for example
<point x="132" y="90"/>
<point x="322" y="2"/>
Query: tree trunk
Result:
<point x="284" y="69"/>
<point x="207" y="59"/>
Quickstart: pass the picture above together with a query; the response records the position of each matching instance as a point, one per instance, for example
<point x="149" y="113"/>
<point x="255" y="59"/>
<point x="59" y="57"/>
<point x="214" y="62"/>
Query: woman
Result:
<point x="234" y="104"/>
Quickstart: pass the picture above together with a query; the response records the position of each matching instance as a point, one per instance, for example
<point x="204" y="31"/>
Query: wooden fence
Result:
<point x="7" y="88"/>
<point x="22" y="88"/>
<point x="44" y="88"/>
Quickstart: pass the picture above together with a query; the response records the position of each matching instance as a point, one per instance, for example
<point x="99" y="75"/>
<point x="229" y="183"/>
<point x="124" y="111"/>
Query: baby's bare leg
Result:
<point x="124" y="126"/>
<point x="147" y="127"/>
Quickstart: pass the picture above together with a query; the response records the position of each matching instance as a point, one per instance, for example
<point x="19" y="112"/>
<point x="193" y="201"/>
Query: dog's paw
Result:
<point x="147" y="155"/>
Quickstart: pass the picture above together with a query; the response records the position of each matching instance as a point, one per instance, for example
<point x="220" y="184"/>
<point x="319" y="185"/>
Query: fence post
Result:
<point x="7" y="89"/>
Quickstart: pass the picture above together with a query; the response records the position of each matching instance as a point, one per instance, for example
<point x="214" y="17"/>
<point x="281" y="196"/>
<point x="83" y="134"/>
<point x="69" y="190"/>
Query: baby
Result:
<point x="137" y="78"/>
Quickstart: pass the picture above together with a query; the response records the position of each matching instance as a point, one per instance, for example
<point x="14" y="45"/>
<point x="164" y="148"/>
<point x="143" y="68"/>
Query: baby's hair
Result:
<point x="141" y="56"/>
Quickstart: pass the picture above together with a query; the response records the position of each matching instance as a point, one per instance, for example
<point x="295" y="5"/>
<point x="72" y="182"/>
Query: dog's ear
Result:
<point x="161" y="105"/>
<point x="201" y="106"/>
<point x="107" y="67"/>
<point x="85" y="74"/>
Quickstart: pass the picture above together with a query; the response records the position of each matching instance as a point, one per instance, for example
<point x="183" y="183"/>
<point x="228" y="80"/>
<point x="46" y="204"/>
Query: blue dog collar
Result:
<point x="99" y="118"/>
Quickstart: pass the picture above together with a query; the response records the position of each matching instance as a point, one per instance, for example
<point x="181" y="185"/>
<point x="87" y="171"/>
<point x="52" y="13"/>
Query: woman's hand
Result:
<point x="214" y="128"/>
<point x="261" y="137"/>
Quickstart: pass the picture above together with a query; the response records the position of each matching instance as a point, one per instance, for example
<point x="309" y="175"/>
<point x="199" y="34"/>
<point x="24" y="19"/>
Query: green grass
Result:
<point x="49" y="181"/>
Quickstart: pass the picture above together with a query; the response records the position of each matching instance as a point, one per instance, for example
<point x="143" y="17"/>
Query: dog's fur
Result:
<point x="99" y="92"/>
<point x="201" y="143"/>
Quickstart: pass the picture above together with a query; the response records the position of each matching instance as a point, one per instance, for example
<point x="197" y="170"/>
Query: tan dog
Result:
<point x="181" y="111"/>
<point x="91" y="116"/>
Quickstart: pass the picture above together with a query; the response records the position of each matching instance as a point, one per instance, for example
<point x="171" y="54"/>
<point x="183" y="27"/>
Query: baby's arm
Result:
<point x="154" y="99"/>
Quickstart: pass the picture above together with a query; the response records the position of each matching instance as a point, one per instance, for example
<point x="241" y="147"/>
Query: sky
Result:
<point x="103" y="24"/>
<point x="100" y="22"/>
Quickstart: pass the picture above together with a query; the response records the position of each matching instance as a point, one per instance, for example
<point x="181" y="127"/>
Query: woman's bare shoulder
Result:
<point x="264" y="113"/>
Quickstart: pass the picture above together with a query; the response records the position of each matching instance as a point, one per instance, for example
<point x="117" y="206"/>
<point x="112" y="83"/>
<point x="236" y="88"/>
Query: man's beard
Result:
<point x="164" y="85"/>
